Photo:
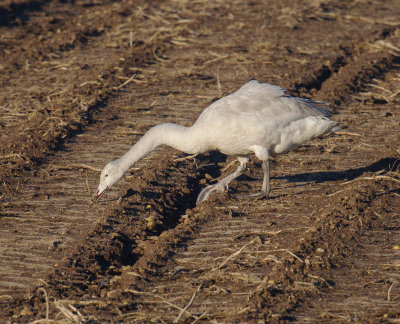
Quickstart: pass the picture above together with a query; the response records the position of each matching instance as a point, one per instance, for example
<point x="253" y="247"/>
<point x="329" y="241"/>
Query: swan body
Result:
<point x="258" y="118"/>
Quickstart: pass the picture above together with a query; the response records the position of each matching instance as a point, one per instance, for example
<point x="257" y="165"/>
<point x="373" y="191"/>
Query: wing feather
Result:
<point x="265" y="101"/>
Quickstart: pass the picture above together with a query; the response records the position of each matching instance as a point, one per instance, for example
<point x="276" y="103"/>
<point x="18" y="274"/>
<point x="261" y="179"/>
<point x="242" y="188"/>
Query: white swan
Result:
<point x="258" y="118"/>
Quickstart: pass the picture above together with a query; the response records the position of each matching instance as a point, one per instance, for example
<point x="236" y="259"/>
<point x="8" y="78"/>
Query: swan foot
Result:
<point x="256" y="195"/>
<point x="208" y="191"/>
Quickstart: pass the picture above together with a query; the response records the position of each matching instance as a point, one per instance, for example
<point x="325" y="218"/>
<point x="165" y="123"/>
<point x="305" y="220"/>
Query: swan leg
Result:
<point x="222" y="184"/>
<point x="266" y="188"/>
<point x="263" y="154"/>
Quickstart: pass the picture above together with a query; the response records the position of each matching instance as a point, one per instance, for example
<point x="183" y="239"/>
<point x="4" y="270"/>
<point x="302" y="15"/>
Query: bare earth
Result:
<point x="81" y="81"/>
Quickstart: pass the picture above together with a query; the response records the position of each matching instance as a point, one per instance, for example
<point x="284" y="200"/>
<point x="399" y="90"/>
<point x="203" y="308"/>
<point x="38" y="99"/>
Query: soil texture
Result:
<point x="81" y="81"/>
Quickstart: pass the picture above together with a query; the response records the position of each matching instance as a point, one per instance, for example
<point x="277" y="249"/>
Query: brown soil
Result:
<point x="81" y="81"/>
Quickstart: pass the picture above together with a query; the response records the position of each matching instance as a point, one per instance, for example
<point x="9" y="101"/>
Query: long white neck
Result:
<point x="182" y="138"/>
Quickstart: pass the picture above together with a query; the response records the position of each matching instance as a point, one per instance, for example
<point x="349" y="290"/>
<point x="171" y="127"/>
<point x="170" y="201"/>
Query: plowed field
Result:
<point x="81" y="81"/>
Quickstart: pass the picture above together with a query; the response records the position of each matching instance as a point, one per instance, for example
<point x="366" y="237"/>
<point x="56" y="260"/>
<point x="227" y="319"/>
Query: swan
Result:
<point x="259" y="119"/>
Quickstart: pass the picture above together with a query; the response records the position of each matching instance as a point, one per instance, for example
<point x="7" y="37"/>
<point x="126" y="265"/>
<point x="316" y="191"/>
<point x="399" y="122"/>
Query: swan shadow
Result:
<point x="346" y="175"/>
<point x="9" y="17"/>
<point x="302" y="179"/>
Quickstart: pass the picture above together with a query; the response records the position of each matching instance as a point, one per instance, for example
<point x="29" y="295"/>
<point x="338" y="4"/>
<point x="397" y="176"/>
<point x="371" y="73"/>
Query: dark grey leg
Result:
<point x="222" y="184"/>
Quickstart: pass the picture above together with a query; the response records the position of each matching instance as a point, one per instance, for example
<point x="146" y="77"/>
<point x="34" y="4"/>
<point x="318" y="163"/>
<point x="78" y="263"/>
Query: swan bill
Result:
<point x="97" y="196"/>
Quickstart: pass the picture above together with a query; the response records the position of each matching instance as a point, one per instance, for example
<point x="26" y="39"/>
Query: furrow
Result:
<point x="41" y="202"/>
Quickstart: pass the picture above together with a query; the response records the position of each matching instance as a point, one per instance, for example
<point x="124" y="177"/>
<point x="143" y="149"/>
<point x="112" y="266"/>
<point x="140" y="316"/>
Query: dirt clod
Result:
<point x="82" y="81"/>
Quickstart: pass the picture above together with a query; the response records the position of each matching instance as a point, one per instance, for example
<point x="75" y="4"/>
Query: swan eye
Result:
<point x="106" y="175"/>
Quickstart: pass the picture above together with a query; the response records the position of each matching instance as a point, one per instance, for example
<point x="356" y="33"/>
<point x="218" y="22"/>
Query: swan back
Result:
<point x="262" y="114"/>
<point x="265" y="101"/>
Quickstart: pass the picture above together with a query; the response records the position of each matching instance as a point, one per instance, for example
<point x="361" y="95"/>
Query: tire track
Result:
<point x="109" y="133"/>
<point x="376" y="295"/>
<point x="224" y="293"/>
<point x="369" y="271"/>
<point x="59" y="192"/>
<point x="52" y="83"/>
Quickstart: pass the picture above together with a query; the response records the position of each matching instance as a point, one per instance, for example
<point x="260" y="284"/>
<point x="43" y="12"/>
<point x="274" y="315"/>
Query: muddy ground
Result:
<point x="81" y="81"/>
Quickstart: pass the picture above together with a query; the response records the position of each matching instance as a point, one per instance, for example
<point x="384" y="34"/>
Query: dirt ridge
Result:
<point x="15" y="13"/>
<point x="368" y="65"/>
<point x="150" y="245"/>
<point x="342" y="227"/>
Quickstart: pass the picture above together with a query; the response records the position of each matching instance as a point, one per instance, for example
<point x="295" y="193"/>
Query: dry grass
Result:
<point x="235" y="254"/>
<point x="375" y="178"/>
<point x="67" y="311"/>
<point x="139" y="315"/>
<point x="383" y="90"/>
<point x="175" y="22"/>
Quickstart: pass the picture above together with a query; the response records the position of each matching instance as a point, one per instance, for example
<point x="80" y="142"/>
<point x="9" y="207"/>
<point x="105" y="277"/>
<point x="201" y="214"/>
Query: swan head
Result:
<point x="111" y="174"/>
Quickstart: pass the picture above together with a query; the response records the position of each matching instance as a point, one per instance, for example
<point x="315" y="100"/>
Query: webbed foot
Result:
<point x="208" y="191"/>
<point x="256" y="195"/>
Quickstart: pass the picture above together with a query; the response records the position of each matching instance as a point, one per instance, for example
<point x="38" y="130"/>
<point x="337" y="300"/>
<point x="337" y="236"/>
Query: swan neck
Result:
<point x="173" y="135"/>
